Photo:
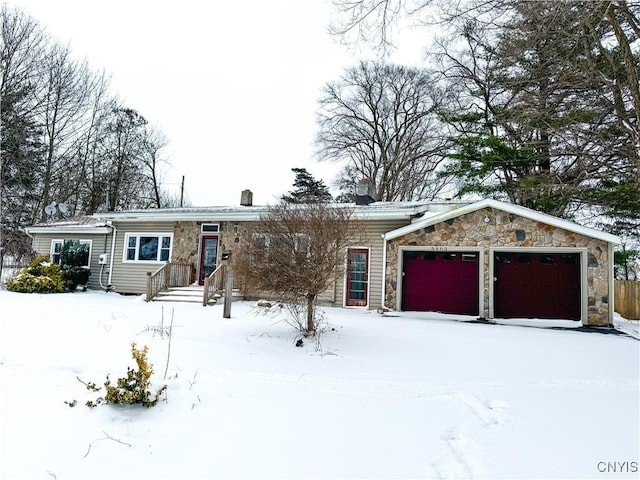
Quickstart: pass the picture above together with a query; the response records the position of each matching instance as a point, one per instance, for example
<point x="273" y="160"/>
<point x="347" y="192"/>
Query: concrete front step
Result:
<point x="190" y="295"/>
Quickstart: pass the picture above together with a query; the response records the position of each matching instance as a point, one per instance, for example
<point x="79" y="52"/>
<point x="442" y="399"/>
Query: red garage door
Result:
<point x="444" y="282"/>
<point x="536" y="285"/>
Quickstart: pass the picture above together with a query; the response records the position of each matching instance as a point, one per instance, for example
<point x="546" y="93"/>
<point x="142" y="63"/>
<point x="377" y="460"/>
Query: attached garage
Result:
<point x="446" y="282"/>
<point x="497" y="260"/>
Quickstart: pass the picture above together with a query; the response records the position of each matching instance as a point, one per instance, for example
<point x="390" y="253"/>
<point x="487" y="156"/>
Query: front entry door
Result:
<point x="357" y="277"/>
<point x="208" y="256"/>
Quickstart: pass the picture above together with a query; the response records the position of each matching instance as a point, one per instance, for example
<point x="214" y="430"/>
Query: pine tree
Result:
<point x="307" y="189"/>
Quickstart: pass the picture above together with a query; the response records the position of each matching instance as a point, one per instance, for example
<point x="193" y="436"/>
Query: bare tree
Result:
<point x="380" y="121"/>
<point x="548" y="96"/>
<point x="295" y="252"/>
<point x="63" y="100"/>
<point x="153" y="162"/>
<point x="90" y="182"/>
<point x="22" y="53"/>
<point x="61" y="139"/>
<point x="368" y="21"/>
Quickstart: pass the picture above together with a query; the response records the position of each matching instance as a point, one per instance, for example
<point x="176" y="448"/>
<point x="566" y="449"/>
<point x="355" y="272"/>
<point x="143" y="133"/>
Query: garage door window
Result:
<point x="547" y="259"/>
<point x="469" y="257"/>
<point x="504" y="258"/>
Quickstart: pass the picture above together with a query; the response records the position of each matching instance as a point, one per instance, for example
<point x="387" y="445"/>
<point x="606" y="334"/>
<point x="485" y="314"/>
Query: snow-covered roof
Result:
<point x="373" y="211"/>
<point x="432" y="217"/>
<point x="75" y="225"/>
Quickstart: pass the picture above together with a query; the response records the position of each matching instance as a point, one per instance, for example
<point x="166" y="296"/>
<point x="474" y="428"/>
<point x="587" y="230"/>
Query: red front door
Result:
<point x="208" y="256"/>
<point x="357" y="277"/>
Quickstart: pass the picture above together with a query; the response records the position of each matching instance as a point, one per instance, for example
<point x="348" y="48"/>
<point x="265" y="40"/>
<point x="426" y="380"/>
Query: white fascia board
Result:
<point x="508" y="208"/>
<point x="69" y="230"/>
<point x="173" y="216"/>
<point x="249" y="214"/>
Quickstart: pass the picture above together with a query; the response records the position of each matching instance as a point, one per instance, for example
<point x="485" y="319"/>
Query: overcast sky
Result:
<point x="233" y="84"/>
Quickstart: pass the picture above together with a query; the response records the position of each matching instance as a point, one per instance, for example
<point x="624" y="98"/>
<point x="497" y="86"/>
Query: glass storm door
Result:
<point x="208" y="256"/>
<point x="357" y="277"/>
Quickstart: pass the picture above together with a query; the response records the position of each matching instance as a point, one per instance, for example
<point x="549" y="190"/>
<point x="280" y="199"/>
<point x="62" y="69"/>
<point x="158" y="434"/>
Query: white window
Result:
<point x="56" y="249"/>
<point x="147" y="247"/>
<point x="295" y="247"/>
<point x="210" y="227"/>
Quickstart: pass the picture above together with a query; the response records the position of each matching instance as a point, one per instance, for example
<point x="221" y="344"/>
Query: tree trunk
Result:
<point x="311" y="327"/>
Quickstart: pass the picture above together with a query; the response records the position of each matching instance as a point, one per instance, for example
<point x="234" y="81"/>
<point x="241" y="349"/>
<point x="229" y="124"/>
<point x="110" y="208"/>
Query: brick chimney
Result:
<point x="246" y="198"/>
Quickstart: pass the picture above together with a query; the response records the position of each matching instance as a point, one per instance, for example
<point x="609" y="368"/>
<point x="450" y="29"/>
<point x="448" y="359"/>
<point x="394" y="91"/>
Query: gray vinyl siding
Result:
<point x="99" y="244"/>
<point x="132" y="277"/>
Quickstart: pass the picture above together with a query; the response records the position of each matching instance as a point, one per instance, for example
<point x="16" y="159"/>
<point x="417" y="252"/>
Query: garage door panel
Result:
<point x="537" y="285"/>
<point x="440" y="281"/>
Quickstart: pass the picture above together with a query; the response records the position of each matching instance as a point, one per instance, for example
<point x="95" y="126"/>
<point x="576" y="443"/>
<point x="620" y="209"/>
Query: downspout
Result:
<point x="104" y="252"/>
<point x="114" y="232"/>
<point x="384" y="271"/>
<point x="612" y="286"/>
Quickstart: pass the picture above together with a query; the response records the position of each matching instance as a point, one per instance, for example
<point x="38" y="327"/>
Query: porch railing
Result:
<point x="213" y="283"/>
<point x="169" y="275"/>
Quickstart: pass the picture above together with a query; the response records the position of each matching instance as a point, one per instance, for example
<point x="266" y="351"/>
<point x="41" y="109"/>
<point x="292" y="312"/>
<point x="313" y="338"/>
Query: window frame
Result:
<point x="137" y="235"/>
<point x="210" y="228"/>
<point x="61" y="242"/>
<point x="265" y="245"/>
<point x="357" y="303"/>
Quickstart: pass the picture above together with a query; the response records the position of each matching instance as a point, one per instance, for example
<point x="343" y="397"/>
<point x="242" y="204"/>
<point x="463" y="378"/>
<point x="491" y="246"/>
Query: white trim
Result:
<point x="90" y="242"/>
<point x="62" y="241"/>
<point x="374" y="211"/>
<point x="584" y="257"/>
<point x="440" y="248"/>
<point x="383" y="301"/>
<point x="55" y="241"/>
<point x="508" y="208"/>
<point x="114" y="233"/>
<point x="69" y="230"/>
<point x="346" y="271"/>
<point x="209" y="232"/>
<point x="200" y="245"/>
<point x="160" y="235"/>
<point x="611" y="285"/>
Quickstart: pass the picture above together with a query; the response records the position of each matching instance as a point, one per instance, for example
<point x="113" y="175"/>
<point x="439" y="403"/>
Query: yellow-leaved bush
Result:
<point x="135" y="387"/>
<point x="41" y="276"/>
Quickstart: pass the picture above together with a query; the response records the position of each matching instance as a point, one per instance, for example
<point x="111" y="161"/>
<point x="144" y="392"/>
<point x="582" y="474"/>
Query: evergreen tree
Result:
<point x="307" y="189"/>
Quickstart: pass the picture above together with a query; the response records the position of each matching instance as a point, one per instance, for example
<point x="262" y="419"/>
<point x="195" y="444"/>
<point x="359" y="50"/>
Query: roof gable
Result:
<point x="505" y="207"/>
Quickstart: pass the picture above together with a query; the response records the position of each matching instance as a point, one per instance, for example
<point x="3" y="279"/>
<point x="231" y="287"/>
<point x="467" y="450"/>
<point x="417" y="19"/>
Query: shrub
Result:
<point x="41" y="276"/>
<point x="134" y="388"/>
<point x="73" y="258"/>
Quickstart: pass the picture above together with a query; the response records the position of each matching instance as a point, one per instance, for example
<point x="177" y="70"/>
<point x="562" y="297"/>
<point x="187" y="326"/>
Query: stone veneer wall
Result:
<point x="507" y="230"/>
<point x="186" y="240"/>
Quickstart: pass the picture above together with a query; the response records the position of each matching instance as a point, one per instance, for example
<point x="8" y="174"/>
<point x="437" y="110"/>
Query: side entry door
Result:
<point x="357" y="277"/>
<point x="208" y="256"/>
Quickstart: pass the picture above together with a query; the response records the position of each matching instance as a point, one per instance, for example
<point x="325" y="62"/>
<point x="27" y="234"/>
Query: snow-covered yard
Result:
<point x="393" y="396"/>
